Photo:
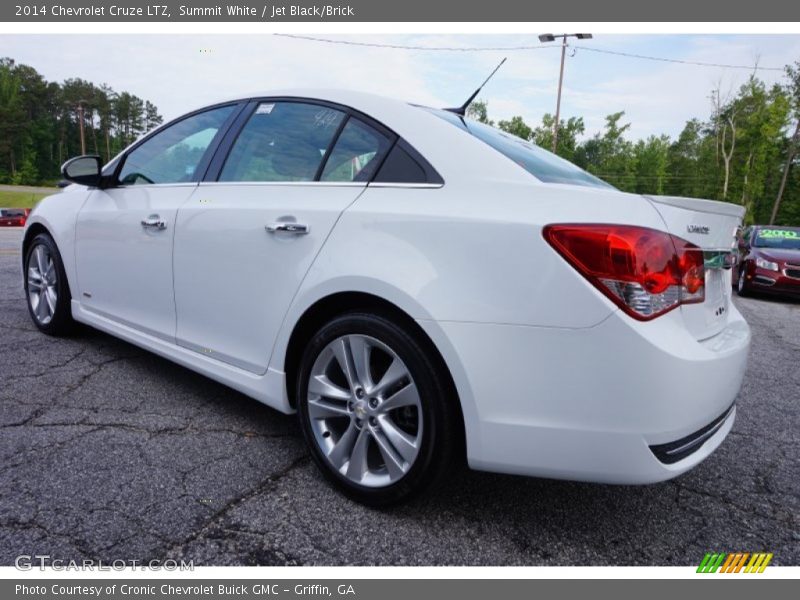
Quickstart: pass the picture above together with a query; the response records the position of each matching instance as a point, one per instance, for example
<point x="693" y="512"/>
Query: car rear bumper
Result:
<point x="596" y="404"/>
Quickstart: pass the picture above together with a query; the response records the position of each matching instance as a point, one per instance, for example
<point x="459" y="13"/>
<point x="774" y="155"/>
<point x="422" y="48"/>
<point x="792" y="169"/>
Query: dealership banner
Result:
<point x="406" y="11"/>
<point x="380" y="589"/>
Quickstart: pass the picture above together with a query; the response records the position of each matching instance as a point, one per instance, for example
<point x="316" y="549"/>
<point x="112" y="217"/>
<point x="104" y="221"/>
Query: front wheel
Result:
<point x="741" y="286"/>
<point x="46" y="287"/>
<point x="374" y="411"/>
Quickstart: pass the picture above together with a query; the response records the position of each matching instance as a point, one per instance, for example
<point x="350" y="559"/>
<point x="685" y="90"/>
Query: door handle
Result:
<point x="154" y="222"/>
<point x="288" y="227"/>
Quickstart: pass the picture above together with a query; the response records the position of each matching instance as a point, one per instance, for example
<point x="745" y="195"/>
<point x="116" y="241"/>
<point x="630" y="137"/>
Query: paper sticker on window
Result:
<point x="327" y="118"/>
<point x="778" y="233"/>
<point x="265" y="109"/>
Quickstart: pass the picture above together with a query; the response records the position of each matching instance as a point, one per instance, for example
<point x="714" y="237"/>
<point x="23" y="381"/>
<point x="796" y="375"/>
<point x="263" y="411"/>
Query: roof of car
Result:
<point x="341" y="96"/>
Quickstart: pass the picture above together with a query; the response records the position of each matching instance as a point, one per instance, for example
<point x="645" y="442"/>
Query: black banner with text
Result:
<point x="779" y="11"/>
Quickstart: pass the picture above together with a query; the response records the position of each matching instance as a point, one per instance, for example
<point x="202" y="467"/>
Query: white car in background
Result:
<point x="417" y="286"/>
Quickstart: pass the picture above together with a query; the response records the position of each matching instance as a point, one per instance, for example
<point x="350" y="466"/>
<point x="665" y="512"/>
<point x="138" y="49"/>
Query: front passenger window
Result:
<point x="173" y="154"/>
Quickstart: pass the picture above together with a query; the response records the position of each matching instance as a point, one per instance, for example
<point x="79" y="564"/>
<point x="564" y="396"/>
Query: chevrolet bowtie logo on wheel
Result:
<point x="734" y="562"/>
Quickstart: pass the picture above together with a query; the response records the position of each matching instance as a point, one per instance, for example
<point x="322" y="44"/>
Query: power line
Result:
<point x="678" y="61"/>
<point x="406" y="47"/>
<point x="523" y="48"/>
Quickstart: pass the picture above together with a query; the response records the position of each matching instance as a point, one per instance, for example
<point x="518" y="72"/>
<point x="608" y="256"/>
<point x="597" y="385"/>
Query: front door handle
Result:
<point x="154" y="222"/>
<point x="289" y="227"/>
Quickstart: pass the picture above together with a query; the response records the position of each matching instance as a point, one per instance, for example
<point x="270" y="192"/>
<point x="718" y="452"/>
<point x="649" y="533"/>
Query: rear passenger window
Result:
<point x="357" y="153"/>
<point x="282" y="141"/>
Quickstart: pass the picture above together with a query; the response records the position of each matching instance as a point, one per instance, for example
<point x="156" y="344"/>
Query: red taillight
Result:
<point x="644" y="271"/>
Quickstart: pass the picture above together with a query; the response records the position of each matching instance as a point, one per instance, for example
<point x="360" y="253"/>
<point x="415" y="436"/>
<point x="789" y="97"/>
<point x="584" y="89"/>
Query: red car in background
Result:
<point x="769" y="261"/>
<point x="14" y="217"/>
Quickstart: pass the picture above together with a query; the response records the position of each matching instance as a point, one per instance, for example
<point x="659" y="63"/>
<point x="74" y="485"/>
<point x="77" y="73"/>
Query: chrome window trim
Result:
<point x="152" y="185"/>
<point x="423" y="186"/>
<point x="353" y="184"/>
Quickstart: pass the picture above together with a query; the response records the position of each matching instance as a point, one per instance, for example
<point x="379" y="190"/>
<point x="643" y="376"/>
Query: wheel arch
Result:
<point x="38" y="227"/>
<point x="31" y="232"/>
<point x="335" y="304"/>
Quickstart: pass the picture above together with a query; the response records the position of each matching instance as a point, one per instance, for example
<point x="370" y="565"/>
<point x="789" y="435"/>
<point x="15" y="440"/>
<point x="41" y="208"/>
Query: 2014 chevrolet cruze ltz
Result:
<point x="417" y="286"/>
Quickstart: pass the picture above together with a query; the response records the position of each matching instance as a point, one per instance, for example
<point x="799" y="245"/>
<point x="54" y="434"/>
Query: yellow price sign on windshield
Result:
<point x="778" y="233"/>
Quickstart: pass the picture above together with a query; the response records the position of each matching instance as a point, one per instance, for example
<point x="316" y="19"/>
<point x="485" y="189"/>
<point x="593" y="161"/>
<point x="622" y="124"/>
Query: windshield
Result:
<point x="788" y="239"/>
<point x="540" y="163"/>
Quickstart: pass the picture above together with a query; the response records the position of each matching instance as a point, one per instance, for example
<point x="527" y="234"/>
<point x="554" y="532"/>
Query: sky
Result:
<point x="180" y="72"/>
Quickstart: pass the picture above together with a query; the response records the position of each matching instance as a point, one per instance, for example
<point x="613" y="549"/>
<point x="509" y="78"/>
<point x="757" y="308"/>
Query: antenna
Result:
<point x="462" y="110"/>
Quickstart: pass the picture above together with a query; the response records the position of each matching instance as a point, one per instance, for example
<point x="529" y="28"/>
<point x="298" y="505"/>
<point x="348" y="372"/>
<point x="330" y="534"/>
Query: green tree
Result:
<point x="609" y="155"/>
<point x="762" y="116"/>
<point x="793" y="92"/>
<point x="516" y="126"/>
<point x="568" y="133"/>
<point x="40" y="122"/>
<point x="650" y="161"/>
<point x="479" y="111"/>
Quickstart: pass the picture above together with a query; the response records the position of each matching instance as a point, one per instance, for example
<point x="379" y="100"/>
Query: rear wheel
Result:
<point x="46" y="287"/>
<point x="374" y="410"/>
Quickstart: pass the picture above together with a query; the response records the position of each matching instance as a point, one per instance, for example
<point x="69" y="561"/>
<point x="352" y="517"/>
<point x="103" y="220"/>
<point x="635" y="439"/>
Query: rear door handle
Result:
<point x="289" y="227"/>
<point x="154" y="222"/>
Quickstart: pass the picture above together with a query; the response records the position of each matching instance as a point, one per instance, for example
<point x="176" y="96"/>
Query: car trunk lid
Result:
<point x="712" y="226"/>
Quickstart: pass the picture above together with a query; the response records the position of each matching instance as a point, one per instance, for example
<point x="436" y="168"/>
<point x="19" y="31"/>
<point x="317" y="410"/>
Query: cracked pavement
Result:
<point x="109" y="452"/>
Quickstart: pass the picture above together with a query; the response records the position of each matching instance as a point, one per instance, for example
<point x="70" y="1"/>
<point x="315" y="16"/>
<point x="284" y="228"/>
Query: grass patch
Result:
<point x="20" y="199"/>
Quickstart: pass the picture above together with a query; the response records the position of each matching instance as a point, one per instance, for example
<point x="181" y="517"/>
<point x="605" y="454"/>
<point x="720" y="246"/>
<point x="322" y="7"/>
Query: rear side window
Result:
<point x="540" y="163"/>
<point x="357" y="153"/>
<point x="404" y="165"/>
<point x="282" y="141"/>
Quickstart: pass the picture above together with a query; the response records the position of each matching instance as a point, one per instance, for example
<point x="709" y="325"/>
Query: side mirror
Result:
<point x="84" y="170"/>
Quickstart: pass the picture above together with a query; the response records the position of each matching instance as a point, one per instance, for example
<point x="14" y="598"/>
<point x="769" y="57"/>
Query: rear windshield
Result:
<point x="540" y="163"/>
<point x="778" y="237"/>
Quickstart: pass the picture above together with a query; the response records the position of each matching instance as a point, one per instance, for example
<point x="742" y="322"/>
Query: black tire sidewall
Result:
<point x="741" y="284"/>
<point x="61" y="323"/>
<point x="437" y="439"/>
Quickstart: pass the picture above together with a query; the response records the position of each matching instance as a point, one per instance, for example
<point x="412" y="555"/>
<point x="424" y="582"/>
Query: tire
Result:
<point x="741" y="285"/>
<point x="379" y="443"/>
<point x="50" y="309"/>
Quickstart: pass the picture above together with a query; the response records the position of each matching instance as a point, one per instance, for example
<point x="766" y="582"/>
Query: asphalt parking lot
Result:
<point x="108" y="452"/>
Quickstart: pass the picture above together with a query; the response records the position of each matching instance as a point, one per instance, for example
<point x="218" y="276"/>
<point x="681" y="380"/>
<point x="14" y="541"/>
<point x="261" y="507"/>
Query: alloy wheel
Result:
<point x="365" y="410"/>
<point x="42" y="284"/>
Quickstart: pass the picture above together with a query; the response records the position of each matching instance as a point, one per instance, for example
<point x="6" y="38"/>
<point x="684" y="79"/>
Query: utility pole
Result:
<point x="80" y="122"/>
<point x="549" y="37"/>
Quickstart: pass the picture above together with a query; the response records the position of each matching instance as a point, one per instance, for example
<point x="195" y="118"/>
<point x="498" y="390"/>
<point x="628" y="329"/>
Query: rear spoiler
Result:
<point x="701" y="205"/>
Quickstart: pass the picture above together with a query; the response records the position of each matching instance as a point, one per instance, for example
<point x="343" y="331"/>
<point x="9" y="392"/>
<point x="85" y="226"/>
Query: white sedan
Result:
<point x="420" y="288"/>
